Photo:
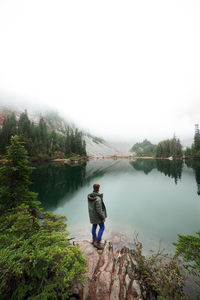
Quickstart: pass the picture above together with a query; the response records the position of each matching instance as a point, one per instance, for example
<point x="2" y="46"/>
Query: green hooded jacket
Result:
<point x="96" y="208"/>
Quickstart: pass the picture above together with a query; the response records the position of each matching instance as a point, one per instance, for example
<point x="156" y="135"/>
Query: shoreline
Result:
<point x="134" y="157"/>
<point x="60" y="160"/>
<point x="68" y="160"/>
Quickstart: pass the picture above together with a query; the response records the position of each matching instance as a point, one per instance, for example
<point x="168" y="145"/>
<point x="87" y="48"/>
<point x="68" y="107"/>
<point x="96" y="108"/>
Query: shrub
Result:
<point x="161" y="275"/>
<point x="188" y="246"/>
<point x="37" y="261"/>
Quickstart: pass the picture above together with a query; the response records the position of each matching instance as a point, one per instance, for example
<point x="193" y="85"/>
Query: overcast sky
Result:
<point x="125" y="70"/>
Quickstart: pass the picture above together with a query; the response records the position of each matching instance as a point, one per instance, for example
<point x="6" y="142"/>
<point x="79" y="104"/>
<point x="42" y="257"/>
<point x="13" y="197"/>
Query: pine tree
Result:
<point x="14" y="178"/>
<point x="53" y="141"/>
<point x="84" y="148"/>
<point x="9" y="128"/>
<point x="43" y="136"/>
<point x="37" y="260"/>
<point x="68" y="143"/>
<point x="72" y="142"/>
<point x="197" y="138"/>
<point x="24" y="125"/>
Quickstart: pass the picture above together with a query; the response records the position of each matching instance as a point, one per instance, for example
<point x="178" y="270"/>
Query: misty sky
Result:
<point x="124" y="70"/>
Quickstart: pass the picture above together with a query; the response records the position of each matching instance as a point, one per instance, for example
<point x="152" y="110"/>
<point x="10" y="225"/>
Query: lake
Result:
<point x="157" y="199"/>
<point x="154" y="199"/>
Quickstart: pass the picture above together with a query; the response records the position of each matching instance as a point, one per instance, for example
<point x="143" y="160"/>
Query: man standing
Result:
<point x="97" y="214"/>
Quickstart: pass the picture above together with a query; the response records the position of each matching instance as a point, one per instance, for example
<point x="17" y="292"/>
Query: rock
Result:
<point x="127" y="281"/>
<point x="136" y="289"/>
<point x="116" y="239"/>
<point x="111" y="275"/>
<point x="92" y="257"/>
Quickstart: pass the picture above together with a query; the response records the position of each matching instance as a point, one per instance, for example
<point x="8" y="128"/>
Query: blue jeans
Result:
<point x="101" y="230"/>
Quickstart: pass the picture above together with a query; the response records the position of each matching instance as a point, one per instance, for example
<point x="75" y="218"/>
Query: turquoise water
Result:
<point x="155" y="199"/>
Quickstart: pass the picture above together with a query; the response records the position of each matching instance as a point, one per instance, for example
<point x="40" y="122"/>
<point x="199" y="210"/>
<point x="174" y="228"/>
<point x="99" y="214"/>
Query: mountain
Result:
<point x="95" y="146"/>
<point x="98" y="147"/>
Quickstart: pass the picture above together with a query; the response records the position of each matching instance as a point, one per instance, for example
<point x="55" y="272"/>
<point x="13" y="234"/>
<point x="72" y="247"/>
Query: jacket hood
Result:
<point x="92" y="197"/>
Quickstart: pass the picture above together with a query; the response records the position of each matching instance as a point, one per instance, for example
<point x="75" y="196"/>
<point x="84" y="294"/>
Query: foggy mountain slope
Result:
<point x="52" y="119"/>
<point x="7" y="110"/>
<point x="95" y="146"/>
<point x="101" y="148"/>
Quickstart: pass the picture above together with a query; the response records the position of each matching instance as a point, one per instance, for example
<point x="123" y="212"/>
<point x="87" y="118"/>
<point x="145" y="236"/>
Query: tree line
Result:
<point x="194" y="150"/>
<point x="166" y="148"/>
<point x="39" y="140"/>
<point x="170" y="147"/>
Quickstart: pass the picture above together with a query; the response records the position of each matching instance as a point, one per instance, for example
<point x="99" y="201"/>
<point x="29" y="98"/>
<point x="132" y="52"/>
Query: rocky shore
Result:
<point x="111" y="275"/>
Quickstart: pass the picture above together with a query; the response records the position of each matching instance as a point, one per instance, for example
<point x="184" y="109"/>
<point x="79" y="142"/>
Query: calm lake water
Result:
<point x="156" y="199"/>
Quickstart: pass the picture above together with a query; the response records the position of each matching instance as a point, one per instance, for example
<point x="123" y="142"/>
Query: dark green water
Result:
<point x="156" y="199"/>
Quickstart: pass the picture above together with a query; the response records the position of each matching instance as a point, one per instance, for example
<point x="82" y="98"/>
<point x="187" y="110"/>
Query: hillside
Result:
<point x="145" y="148"/>
<point x="98" y="147"/>
<point x="95" y="146"/>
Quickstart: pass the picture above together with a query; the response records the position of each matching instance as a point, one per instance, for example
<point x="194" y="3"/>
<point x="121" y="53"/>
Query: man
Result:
<point x="97" y="214"/>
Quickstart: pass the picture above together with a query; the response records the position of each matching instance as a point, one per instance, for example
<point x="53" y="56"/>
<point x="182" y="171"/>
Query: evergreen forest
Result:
<point x="145" y="148"/>
<point x="170" y="147"/>
<point x="166" y="148"/>
<point x="42" y="141"/>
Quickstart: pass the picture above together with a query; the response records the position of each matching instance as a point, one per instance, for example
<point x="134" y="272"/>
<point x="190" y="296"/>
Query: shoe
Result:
<point x="94" y="240"/>
<point x="98" y="245"/>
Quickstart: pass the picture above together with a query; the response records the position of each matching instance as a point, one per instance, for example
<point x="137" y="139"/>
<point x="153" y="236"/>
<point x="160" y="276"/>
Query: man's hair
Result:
<point x="96" y="187"/>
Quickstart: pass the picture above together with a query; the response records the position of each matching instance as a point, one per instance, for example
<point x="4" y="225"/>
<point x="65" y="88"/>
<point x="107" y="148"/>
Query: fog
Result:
<point x="122" y="70"/>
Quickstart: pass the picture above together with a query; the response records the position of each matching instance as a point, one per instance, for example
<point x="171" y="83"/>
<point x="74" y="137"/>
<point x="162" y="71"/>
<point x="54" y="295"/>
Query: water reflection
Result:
<point x="146" y="165"/>
<point x="195" y="165"/>
<point x="171" y="169"/>
<point x="53" y="181"/>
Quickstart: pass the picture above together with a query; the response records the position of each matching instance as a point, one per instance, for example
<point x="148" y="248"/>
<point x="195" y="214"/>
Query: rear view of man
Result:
<point x="97" y="214"/>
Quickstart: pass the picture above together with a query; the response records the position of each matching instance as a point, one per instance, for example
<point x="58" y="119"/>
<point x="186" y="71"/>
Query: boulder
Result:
<point x="111" y="274"/>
